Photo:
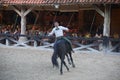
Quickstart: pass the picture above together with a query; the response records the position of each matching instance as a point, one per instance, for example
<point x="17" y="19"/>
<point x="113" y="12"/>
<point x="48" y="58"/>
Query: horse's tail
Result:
<point x="54" y="60"/>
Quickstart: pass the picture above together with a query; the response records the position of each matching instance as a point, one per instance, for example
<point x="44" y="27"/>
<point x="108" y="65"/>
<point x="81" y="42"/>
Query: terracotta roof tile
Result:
<point x="60" y="1"/>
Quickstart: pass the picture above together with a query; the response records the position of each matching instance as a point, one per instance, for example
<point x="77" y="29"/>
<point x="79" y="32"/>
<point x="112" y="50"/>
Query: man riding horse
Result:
<point x="62" y="46"/>
<point x="58" y="31"/>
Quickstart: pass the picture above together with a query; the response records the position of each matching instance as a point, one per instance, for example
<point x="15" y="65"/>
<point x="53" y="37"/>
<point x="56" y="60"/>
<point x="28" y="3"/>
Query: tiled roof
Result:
<point x="40" y="2"/>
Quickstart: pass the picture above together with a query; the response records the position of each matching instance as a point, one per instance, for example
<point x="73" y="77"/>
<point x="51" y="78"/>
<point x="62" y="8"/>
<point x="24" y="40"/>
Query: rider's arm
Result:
<point x="64" y="28"/>
<point x="52" y="32"/>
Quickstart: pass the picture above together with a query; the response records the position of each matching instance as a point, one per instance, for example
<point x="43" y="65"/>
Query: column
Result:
<point x="106" y="30"/>
<point x="23" y="13"/>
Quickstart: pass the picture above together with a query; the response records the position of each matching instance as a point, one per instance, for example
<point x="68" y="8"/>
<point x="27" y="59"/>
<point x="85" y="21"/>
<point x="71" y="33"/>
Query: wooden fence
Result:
<point x="81" y="44"/>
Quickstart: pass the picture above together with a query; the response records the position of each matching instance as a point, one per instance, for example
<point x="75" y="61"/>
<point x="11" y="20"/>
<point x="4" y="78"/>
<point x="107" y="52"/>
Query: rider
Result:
<point x="59" y="34"/>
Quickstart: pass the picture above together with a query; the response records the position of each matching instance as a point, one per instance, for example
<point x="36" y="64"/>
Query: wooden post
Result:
<point x="35" y="43"/>
<point x="23" y="14"/>
<point x="106" y="30"/>
<point x="23" y="25"/>
<point x="81" y="19"/>
<point x="7" y="42"/>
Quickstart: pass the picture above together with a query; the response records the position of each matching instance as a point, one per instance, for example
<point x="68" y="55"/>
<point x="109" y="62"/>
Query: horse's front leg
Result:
<point x="62" y="61"/>
<point x="61" y="69"/>
<point x="73" y="65"/>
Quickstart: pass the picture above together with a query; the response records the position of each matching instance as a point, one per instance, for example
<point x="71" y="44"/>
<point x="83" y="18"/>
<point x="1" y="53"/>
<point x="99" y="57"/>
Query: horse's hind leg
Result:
<point x="63" y="62"/>
<point x="61" y="69"/>
<point x="68" y="59"/>
<point x="73" y="65"/>
<point x="66" y="66"/>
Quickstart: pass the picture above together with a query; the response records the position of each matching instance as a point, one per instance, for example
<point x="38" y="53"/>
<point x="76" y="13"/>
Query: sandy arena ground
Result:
<point x="33" y="64"/>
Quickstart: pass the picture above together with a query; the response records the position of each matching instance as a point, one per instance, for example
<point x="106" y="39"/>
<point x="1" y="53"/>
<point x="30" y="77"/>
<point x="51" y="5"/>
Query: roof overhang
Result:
<point x="51" y="2"/>
<point x="64" y="5"/>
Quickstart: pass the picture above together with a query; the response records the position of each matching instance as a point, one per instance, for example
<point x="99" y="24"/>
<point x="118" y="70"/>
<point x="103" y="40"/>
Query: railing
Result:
<point x="97" y="45"/>
<point x="32" y="41"/>
<point x="104" y="44"/>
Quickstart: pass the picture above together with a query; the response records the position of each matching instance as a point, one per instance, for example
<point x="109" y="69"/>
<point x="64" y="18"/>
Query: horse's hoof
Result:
<point x="68" y="70"/>
<point x="61" y="73"/>
<point x="69" y="63"/>
<point x="73" y="66"/>
<point x="53" y="66"/>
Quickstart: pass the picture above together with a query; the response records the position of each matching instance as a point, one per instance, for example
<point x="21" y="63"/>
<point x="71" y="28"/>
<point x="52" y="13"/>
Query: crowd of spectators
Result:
<point x="11" y="30"/>
<point x="33" y="30"/>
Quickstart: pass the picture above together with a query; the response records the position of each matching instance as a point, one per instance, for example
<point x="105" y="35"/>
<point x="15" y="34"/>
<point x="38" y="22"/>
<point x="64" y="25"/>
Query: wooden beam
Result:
<point x="29" y="10"/>
<point x="16" y="10"/>
<point x="37" y="16"/>
<point x="99" y="10"/>
<point x="106" y="30"/>
<point x="36" y="13"/>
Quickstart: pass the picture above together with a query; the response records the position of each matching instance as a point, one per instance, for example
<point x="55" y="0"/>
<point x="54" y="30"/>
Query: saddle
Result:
<point x="67" y="43"/>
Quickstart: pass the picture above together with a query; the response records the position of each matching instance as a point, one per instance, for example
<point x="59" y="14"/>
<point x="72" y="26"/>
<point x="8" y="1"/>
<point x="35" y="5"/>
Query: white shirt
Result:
<point x="58" y="31"/>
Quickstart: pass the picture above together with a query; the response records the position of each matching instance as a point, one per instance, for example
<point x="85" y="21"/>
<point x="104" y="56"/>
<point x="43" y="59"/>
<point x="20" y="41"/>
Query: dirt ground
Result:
<point x="32" y="64"/>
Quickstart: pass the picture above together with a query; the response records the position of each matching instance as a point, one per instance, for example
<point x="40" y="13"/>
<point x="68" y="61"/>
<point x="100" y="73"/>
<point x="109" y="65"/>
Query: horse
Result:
<point x="61" y="49"/>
